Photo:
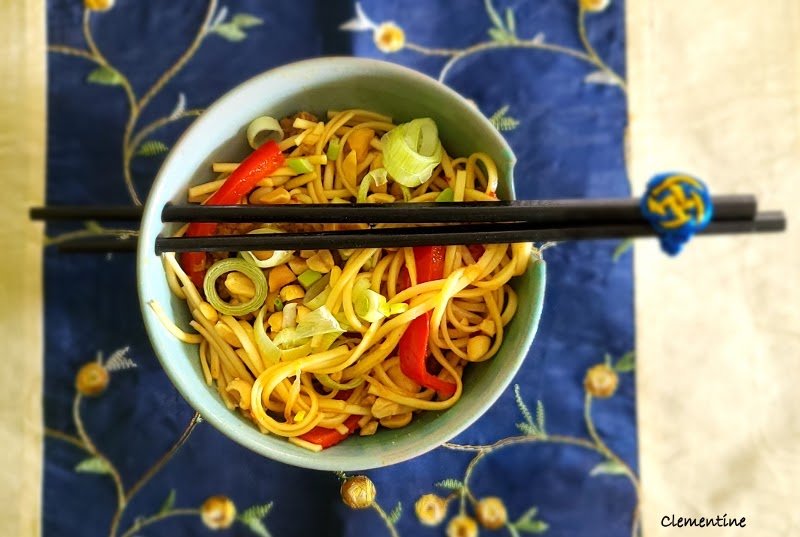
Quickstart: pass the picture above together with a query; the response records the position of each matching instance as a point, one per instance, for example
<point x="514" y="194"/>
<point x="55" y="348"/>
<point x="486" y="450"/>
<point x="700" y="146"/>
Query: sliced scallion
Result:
<point x="411" y="151"/>
<point x="328" y="382"/>
<point x="268" y="350"/>
<point x="225" y="266"/>
<point x="278" y="304"/>
<point x="406" y="193"/>
<point x="308" y="278"/>
<point x="263" y="129"/>
<point x="446" y="195"/>
<point x="300" y="165"/>
<point x="333" y="149"/>
<point x="278" y="257"/>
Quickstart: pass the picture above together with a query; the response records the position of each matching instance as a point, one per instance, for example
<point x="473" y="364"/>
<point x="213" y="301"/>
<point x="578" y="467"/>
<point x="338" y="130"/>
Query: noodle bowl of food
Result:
<point x="331" y="358"/>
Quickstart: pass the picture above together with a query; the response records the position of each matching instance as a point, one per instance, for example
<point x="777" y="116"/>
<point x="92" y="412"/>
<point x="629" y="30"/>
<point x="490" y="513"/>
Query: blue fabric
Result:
<point x="567" y="132"/>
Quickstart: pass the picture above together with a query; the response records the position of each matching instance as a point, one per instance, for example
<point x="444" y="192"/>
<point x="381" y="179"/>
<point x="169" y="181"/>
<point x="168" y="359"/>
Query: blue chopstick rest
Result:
<point x="677" y="205"/>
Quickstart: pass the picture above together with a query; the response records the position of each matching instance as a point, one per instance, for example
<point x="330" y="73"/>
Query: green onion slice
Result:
<point x="225" y="266"/>
<point x="308" y="278"/>
<point x="447" y="195"/>
<point x="268" y="350"/>
<point x="406" y="193"/>
<point x="300" y="165"/>
<point x="377" y="176"/>
<point x="263" y="129"/>
<point x="279" y="257"/>
<point x="411" y="151"/>
<point x="328" y="382"/>
<point x="317" y="294"/>
<point x="333" y="149"/>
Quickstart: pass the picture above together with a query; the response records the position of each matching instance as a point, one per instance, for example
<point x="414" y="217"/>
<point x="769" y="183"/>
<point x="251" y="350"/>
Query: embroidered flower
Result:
<point x="389" y="37"/>
<point x="594" y="6"/>
<point x="98" y="5"/>
<point x="491" y="513"/>
<point x="218" y="512"/>
<point x="358" y="492"/>
<point x="462" y="526"/>
<point x="430" y="509"/>
<point x="92" y="379"/>
<point x="601" y="381"/>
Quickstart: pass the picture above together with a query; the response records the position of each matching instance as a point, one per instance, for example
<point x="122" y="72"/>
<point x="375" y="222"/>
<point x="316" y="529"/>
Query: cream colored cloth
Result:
<point x="715" y="90"/>
<point x="22" y="154"/>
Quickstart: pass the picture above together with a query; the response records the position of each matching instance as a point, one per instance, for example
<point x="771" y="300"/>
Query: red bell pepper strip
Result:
<point x="328" y="437"/>
<point x="413" y="346"/>
<point x="258" y="165"/>
<point x="325" y="437"/>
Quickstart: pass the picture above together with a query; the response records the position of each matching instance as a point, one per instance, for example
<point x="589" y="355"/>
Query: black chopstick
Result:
<point x="122" y="213"/>
<point x="549" y="212"/>
<point x="558" y="211"/>
<point x="447" y="235"/>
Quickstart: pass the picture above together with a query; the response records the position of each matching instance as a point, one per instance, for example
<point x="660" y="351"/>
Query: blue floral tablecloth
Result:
<point x="557" y="453"/>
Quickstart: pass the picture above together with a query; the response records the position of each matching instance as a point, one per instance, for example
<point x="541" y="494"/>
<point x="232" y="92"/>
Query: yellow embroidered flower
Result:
<point x="601" y="381"/>
<point x="491" y="513"/>
<point x="389" y="37"/>
<point x="594" y="6"/>
<point x="92" y="379"/>
<point x="462" y="526"/>
<point x="430" y="509"/>
<point x="98" y="5"/>
<point x="358" y="492"/>
<point x="218" y="512"/>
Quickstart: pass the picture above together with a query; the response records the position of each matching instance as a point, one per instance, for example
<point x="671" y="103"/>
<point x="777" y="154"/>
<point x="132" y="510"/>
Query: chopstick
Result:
<point x="448" y="235"/>
<point x="545" y="212"/>
<point x="560" y="211"/>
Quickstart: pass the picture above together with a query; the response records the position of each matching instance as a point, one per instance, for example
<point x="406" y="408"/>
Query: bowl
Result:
<point x="219" y="135"/>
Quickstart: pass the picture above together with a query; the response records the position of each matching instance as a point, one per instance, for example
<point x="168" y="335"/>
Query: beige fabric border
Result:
<point x="715" y="90"/>
<point x="22" y="157"/>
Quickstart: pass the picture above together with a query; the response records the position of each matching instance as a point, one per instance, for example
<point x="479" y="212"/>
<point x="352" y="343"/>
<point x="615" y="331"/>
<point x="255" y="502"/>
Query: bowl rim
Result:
<point x="221" y="421"/>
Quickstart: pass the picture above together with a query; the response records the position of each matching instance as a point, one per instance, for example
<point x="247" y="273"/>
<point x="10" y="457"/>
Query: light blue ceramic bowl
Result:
<point x="219" y="135"/>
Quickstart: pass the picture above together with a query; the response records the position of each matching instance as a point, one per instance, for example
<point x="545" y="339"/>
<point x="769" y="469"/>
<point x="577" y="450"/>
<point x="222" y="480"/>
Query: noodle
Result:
<point x="319" y="385"/>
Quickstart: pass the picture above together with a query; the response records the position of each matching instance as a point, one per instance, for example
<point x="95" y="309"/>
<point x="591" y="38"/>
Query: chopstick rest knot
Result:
<point x="677" y="205"/>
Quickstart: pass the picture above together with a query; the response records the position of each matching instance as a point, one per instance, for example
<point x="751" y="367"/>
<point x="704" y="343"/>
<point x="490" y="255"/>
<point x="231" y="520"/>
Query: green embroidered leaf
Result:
<point x="621" y="248"/>
<point x="528" y="515"/>
<point x="105" y="75"/>
<point x="394" y="516"/>
<point x="341" y="475"/>
<point x="93" y="465"/>
<point x="258" y="527"/>
<point x="151" y="148"/>
<point x="512" y="531"/>
<point x="607" y="359"/>
<point x="601" y="77"/>
<point x="511" y="24"/>
<point x="533" y="526"/>
<point x="540" y="417"/>
<point x="493" y="16"/>
<point x="529" y="429"/>
<point x="608" y="467"/>
<point x="626" y="363"/>
<point x="245" y="20"/>
<point x="256" y="512"/>
<point x="503" y="122"/>
<point x="169" y="503"/>
<point x="253" y="519"/>
<point x="523" y="408"/>
<point x="230" y="31"/>
<point x="500" y="36"/>
<point x="450" y="484"/>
